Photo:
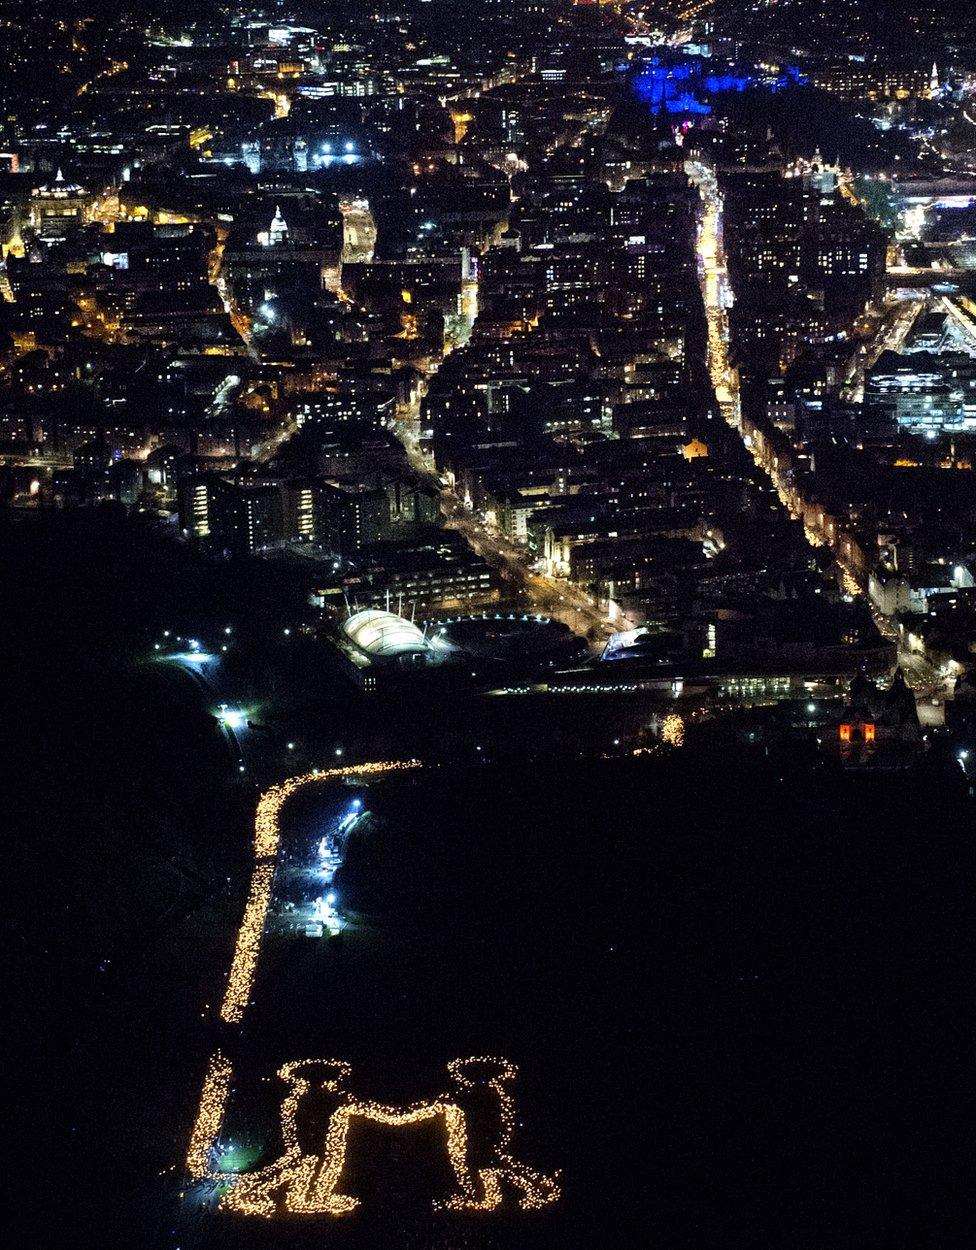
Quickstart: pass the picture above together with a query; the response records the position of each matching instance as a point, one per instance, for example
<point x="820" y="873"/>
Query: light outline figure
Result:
<point x="303" y="1183"/>
<point x="308" y="1183"/>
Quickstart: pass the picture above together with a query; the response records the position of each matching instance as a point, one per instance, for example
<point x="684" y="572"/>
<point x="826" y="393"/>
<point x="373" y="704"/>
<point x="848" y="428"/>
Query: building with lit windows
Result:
<point x="58" y="208"/>
<point x="194" y="500"/>
<point x="925" y="392"/>
<point x="246" y="516"/>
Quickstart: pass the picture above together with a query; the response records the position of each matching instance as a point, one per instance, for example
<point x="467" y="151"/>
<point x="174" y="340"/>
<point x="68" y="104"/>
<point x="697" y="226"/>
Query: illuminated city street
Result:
<point x="929" y="683"/>
<point x="359" y="232"/>
<point x="892" y="329"/>
<point x="558" y="597"/>
<point x="716" y="292"/>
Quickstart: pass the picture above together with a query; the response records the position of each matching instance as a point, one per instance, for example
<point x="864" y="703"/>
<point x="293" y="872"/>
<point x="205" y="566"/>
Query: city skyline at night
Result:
<point x="489" y="566"/>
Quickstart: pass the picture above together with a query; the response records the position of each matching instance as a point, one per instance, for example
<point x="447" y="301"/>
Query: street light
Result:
<point x="231" y="717"/>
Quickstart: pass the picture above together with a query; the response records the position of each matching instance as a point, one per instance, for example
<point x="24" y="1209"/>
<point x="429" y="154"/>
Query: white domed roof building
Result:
<point x="383" y="635"/>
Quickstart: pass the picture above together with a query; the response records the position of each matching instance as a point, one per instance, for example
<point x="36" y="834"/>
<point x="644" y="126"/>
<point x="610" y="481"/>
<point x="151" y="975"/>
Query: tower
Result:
<point x="279" y="229"/>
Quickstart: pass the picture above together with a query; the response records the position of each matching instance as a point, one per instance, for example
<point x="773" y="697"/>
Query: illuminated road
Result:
<point x="358" y="231"/>
<point x="53" y="461"/>
<point x="927" y="682"/>
<point x="273" y="444"/>
<point x="204" y="668"/>
<point x="962" y="321"/>
<point x="563" y="600"/>
<point x="715" y="292"/>
<point x="560" y="599"/>
<point x="717" y="295"/>
<point x="890" y="335"/>
<point x="216" y="277"/>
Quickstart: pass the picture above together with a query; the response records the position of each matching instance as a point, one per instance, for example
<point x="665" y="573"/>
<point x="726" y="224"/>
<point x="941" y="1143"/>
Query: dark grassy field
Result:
<point x="737" y="1002"/>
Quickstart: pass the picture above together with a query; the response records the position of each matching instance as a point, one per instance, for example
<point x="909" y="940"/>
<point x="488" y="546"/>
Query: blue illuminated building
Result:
<point x="679" y="87"/>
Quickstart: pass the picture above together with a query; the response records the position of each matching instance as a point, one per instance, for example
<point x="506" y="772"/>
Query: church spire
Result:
<point x="279" y="228"/>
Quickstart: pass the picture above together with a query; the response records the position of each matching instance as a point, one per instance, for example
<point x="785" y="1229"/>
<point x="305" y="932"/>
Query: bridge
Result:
<point x="913" y="276"/>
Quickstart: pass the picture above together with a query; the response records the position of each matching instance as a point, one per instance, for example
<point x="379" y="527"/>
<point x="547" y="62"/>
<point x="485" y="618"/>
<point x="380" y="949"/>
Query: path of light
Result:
<point x="267" y="835"/>
<point x="308" y="1183"/>
<point x="722" y="373"/>
<point x="210" y="1116"/>
<point x="248" y="944"/>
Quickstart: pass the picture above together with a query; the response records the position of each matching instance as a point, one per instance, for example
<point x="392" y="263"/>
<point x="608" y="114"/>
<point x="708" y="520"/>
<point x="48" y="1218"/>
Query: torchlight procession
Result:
<point x="267" y="837"/>
<point x="210" y="1117"/>
<point x="309" y="1182"/>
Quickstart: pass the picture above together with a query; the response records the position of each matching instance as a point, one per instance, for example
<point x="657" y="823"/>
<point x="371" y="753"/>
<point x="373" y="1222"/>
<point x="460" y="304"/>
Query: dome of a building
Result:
<point x="380" y="633"/>
<point x="59" y="189"/>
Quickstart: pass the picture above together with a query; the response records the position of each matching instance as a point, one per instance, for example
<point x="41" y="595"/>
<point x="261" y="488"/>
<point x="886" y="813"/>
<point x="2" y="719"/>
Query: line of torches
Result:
<point x="312" y="1180"/>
